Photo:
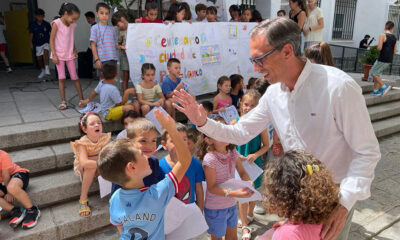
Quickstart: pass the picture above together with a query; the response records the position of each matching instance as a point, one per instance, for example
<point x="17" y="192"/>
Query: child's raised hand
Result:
<point x="166" y="121"/>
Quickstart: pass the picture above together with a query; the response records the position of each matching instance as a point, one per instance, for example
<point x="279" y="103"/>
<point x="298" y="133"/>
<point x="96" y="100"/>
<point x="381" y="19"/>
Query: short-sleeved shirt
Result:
<point x="236" y="98"/>
<point x="298" y="231"/>
<point x="187" y="186"/>
<point x="362" y="42"/>
<point x="312" y="20"/>
<point x="168" y="85"/>
<point x="145" y="20"/>
<point x="7" y="163"/>
<point x="224" y="165"/>
<point x="41" y="32"/>
<point x="149" y="94"/>
<point x="64" y="40"/>
<point x="109" y="96"/>
<point x="106" y="41"/>
<point x="2" y="37"/>
<point x="140" y="212"/>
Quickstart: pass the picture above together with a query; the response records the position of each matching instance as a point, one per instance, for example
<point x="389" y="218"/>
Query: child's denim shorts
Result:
<point x="219" y="220"/>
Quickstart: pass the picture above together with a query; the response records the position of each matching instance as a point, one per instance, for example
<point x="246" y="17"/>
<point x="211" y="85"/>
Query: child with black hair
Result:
<point x="300" y="188"/>
<point x="250" y="83"/>
<point x="176" y="13"/>
<point x="39" y="33"/>
<point x="222" y="100"/>
<point x="112" y="104"/>
<point x="201" y="12"/>
<point x="127" y="118"/>
<point x="211" y="14"/>
<point x="90" y="18"/>
<point x="103" y="37"/>
<point x="234" y="11"/>
<point x="256" y="16"/>
<point x="63" y="51"/>
<point x="151" y="10"/>
<point x="149" y="92"/>
<point x="188" y="13"/>
<point x="236" y="89"/>
<point x="247" y="14"/>
<point x="86" y="151"/>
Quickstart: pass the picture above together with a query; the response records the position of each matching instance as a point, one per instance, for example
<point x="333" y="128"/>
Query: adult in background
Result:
<point x="364" y="43"/>
<point x="308" y="104"/>
<point x="298" y="12"/>
<point x="312" y="29"/>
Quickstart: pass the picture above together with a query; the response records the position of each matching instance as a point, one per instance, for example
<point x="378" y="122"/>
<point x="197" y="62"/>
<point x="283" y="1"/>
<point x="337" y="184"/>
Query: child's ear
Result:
<point x="130" y="168"/>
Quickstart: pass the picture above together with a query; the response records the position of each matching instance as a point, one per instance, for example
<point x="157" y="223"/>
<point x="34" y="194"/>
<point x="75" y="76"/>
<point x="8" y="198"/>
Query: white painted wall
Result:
<point x="268" y="8"/>
<point x="82" y="31"/>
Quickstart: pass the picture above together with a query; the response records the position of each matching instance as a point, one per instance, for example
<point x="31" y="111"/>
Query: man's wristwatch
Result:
<point x="227" y="191"/>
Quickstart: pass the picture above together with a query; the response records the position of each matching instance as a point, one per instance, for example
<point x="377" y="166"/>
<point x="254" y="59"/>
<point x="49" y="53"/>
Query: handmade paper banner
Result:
<point x="206" y="51"/>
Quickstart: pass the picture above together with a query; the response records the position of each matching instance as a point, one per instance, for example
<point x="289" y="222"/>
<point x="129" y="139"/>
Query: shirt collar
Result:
<point x="305" y="73"/>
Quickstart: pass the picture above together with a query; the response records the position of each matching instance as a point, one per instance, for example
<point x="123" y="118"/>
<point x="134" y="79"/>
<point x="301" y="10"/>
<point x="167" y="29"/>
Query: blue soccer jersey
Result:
<point x="140" y="212"/>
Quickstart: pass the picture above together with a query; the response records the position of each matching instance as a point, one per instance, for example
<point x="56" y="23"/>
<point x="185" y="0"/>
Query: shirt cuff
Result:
<point x="174" y="181"/>
<point x="347" y="200"/>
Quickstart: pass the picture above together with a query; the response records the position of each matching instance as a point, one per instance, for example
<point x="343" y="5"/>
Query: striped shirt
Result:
<point x="224" y="165"/>
<point x="106" y="41"/>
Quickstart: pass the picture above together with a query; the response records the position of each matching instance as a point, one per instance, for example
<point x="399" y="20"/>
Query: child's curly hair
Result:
<point x="294" y="193"/>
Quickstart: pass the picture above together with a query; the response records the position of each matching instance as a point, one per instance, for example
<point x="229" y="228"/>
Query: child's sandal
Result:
<point x="84" y="208"/>
<point x="62" y="106"/>
<point x="246" y="236"/>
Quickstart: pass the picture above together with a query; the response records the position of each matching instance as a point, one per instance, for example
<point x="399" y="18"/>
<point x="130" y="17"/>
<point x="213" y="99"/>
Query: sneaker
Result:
<point x="8" y="69"/>
<point x="47" y="71"/>
<point x="31" y="218"/>
<point x="375" y="92"/>
<point x="41" y="75"/>
<point x="16" y="217"/>
<point x="259" y="210"/>
<point x="385" y="89"/>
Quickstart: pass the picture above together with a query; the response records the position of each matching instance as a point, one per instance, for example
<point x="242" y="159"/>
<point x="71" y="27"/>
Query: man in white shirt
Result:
<point x="313" y="107"/>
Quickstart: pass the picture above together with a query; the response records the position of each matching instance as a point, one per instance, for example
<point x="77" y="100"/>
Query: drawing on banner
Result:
<point x="146" y="56"/>
<point x="210" y="54"/>
<point x="233" y="51"/>
<point x="204" y="84"/>
<point x="233" y="33"/>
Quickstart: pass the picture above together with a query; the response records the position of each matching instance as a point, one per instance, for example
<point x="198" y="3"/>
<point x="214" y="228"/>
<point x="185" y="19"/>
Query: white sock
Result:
<point x="47" y="67"/>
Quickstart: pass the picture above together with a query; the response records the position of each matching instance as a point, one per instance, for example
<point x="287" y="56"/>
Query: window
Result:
<point x="248" y="4"/>
<point x="318" y="3"/>
<point x="343" y="23"/>
<point x="394" y="15"/>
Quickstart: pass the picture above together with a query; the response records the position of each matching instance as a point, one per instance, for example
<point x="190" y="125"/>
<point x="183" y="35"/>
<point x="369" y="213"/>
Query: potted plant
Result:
<point x="368" y="60"/>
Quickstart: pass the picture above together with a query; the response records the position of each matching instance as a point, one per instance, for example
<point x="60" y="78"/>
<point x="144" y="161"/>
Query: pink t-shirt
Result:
<point x="289" y="231"/>
<point x="64" y="40"/>
<point x="224" y="165"/>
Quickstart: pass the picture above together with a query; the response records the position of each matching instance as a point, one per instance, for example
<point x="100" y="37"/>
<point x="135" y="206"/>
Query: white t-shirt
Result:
<point x="312" y="20"/>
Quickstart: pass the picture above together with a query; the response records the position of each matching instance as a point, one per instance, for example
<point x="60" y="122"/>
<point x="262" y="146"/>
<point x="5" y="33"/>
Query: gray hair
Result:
<point x="279" y="31"/>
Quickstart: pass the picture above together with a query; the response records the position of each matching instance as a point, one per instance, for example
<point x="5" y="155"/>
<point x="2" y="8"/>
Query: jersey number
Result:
<point x="143" y="234"/>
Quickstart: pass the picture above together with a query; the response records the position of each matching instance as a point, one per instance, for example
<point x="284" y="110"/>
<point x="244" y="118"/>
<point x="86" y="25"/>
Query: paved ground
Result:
<point x="24" y="99"/>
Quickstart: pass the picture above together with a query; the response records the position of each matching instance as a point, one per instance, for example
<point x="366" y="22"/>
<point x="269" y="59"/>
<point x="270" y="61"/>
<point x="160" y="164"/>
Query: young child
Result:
<point x="188" y="13"/>
<point x="234" y="11"/>
<point x="3" y="45"/>
<point x="39" y="33"/>
<point x="120" y="19"/>
<point x="201" y="12"/>
<point x="222" y="99"/>
<point x="219" y="162"/>
<point x="300" y="188"/>
<point x="122" y="163"/>
<point x="149" y="92"/>
<point x="251" y="82"/>
<point x="151" y="10"/>
<point x="192" y="140"/>
<point x="281" y="13"/>
<point x="13" y="183"/>
<point x="387" y="48"/>
<point x="143" y="134"/>
<point x="211" y="14"/>
<point x="63" y="49"/>
<point x="246" y="15"/>
<point x="190" y="188"/>
<point x="252" y="152"/>
<point x="127" y="118"/>
<point x="320" y="53"/>
<point x="90" y="18"/>
<point x="170" y="83"/>
<point x="236" y="89"/>
<point x="103" y="38"/>
<point x="176" y="13"/>
<point x="86" y="151"/>
<point x="112" y="105"/>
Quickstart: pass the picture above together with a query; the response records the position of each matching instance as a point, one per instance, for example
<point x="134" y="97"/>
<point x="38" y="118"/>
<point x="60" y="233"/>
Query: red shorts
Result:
<point x="2" y="47"/>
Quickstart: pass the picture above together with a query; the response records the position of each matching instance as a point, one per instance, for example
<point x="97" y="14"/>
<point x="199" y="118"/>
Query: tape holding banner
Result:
<point x="206" y="51"/>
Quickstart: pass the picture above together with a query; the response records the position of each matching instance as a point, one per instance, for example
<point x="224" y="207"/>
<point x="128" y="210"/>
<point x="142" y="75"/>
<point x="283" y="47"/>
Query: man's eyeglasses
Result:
<point x="259" y="60"/>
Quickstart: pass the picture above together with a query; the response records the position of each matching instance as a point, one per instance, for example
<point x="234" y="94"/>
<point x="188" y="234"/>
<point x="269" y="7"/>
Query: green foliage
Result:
<point x="370" y="55"/>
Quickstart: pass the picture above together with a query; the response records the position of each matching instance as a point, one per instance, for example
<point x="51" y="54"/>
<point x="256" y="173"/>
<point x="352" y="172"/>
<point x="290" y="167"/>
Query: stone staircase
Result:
<point x="43" y="147"/>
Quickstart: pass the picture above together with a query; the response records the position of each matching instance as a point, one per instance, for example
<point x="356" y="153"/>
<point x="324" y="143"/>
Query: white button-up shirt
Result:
<point x="325" y="115"/>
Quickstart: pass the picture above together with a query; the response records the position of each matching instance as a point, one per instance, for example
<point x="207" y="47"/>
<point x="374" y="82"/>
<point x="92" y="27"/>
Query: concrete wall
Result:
<point x="82" y="31"/>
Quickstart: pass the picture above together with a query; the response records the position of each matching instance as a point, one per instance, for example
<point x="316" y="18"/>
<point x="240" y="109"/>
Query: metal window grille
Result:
<point x="343" y="23"/>
<point x="318" y="3"/>
<point x="248" y="4"/>
<point x="394" y="15"/>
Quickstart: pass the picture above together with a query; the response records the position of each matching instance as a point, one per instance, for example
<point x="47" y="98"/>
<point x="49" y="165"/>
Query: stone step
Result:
<point x="105" y="233"/>
<point x="387" y="126"/>
<point x="371" y="100"/>
<point x="41" y="133"/>
<point x="384" y="110"/>
<point x="58" y="187"/>
<point x="62" y="222"/>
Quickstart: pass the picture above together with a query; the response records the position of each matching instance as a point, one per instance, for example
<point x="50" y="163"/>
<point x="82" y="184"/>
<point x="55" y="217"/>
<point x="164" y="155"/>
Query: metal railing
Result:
<point x="343" y="23"/>
<point x="348" y="59"/>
